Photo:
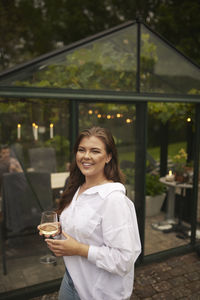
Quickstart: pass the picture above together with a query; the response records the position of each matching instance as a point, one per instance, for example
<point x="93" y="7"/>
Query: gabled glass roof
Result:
<point x="109" y="62"/>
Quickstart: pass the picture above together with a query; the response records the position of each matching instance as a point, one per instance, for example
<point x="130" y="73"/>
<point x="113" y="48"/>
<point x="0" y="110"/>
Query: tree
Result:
<point x="179" y="22"/>
<point x="31" y="28"/>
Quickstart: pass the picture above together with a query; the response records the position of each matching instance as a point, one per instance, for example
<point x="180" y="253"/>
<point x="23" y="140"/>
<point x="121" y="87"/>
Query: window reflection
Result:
<point x="34" y="165"/>
<point x="170" y="138"/>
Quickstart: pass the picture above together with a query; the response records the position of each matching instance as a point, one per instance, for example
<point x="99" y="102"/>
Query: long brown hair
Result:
<point x="111" y="169"/>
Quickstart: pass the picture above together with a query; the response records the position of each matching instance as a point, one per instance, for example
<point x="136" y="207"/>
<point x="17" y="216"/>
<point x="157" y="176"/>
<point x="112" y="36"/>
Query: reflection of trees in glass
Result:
<point x="102" y="65"/>
<point x="105" y="65"/>
<point x="119" y="118"/>
<point x="173" y="111"/>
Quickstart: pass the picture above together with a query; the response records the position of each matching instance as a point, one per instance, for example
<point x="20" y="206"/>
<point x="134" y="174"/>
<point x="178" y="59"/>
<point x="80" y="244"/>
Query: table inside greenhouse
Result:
<point x="172" y="187"/>
<point x="170" y="224"/>
<point x="58" y="179"/>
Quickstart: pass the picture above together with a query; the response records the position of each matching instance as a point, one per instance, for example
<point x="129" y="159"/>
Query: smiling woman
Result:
<point x="100" y="240"/>
<point x="91" y="161"/>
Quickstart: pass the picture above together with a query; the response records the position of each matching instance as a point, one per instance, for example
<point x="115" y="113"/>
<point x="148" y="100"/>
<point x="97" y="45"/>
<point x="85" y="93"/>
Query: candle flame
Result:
<point x="170" y="172"/>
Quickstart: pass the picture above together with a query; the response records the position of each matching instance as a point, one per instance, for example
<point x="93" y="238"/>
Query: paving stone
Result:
<point x="145" y="280"/>
<point x="195" y="297"/>
<point x="161" y="276"/>
<point x="163" y="296"/>
<point x="181" y="292"/>
<point x="177" y="271"/>
<point x="192" y="267"/>
<point x="144" y="291"/>
<point x="193" y="276"/>
<point x="194" y="286"/>
<point x="135" y="297"/>
<point x="174" y="262"/>
<point x="178" y="281"/>
<point x="164" y="266"/>
<point x="162" y="286"/>
<point x="189" y="258"/>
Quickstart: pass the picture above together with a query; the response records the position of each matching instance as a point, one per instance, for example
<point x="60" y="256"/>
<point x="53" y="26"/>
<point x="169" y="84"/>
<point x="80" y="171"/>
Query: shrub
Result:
<point x="153" y="185"/>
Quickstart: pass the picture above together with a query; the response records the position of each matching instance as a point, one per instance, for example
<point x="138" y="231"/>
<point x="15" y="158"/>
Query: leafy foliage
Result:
<point x="180" y="160"/>
<point x="37" y="27"/>
<point x="153" y="185"/>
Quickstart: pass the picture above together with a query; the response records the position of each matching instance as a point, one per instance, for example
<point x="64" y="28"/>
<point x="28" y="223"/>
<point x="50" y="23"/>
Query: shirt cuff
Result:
<point x="92" y="254"/>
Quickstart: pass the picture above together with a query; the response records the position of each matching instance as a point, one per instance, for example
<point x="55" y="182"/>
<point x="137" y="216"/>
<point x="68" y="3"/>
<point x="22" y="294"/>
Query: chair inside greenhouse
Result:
<point x="24" y="198"/>
<point x="43" y="159"/>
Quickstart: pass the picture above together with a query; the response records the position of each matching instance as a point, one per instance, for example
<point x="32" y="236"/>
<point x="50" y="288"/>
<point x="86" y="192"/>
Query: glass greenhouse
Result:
<point x="131" y="80"/>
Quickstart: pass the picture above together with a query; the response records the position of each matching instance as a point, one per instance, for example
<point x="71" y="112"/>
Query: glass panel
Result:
<point x="163" y="69"/>
<point x="108" y="63"/>
<point x="168" y="215"/>
<point x="34" y="142"/>
<point x="198" y="197"/>
<point x="120" y="119"/>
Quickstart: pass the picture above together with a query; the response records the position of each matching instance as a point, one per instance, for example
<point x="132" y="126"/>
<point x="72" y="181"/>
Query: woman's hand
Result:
<point x="52" y="235"/>
<point x="67" y="247"/>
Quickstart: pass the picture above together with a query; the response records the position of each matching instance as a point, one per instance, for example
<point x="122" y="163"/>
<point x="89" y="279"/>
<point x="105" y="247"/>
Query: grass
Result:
<point x="154" y="152"/>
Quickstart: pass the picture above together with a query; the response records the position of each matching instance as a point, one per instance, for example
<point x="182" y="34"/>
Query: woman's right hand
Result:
<point x="67" y="247"/>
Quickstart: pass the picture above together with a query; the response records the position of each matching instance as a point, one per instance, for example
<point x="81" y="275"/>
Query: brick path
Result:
<point x="175" y="278"/>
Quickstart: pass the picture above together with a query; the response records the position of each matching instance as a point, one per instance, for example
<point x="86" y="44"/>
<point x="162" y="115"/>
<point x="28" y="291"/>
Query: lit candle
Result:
<point x="33" y="127"/>
<point x="51" y="130"/>
<point x="170" y="176"/>
<point x="36" y="132"/>
<point x="18" y="131"/>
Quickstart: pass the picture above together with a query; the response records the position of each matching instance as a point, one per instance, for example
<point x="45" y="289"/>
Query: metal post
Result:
<point x="196" y="175"/>
<point x="73" y="130"/>
<point x="138" y="56"/>
<point x="140" y="167"/>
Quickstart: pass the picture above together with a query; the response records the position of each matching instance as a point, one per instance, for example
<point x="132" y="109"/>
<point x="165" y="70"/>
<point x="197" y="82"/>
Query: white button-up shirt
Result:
<point x="103" y="218"/>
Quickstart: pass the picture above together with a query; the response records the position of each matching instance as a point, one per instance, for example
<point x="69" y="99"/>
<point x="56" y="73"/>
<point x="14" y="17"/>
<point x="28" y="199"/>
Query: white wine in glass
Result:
<point x="48" y="227"/>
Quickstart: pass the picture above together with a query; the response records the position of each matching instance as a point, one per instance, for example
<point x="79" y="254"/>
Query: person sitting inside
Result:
<point x="8" y="164"/>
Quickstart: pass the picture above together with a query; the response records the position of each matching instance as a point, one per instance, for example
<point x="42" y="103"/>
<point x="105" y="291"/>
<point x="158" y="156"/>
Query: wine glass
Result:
<point x="48" y="226"/>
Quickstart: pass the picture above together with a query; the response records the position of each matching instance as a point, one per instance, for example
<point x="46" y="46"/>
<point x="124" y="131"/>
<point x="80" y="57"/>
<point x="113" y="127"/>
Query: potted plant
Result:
<point x="155" y="194"/>
<point x="180" y="163"/>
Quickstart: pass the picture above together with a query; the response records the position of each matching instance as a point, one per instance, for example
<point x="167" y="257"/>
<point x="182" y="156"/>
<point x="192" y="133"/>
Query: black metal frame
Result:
<point x="93" y="95"/>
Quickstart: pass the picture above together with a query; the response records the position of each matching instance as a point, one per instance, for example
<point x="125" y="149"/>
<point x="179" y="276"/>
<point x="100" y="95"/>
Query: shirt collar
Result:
<point x="105" y="189"/>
